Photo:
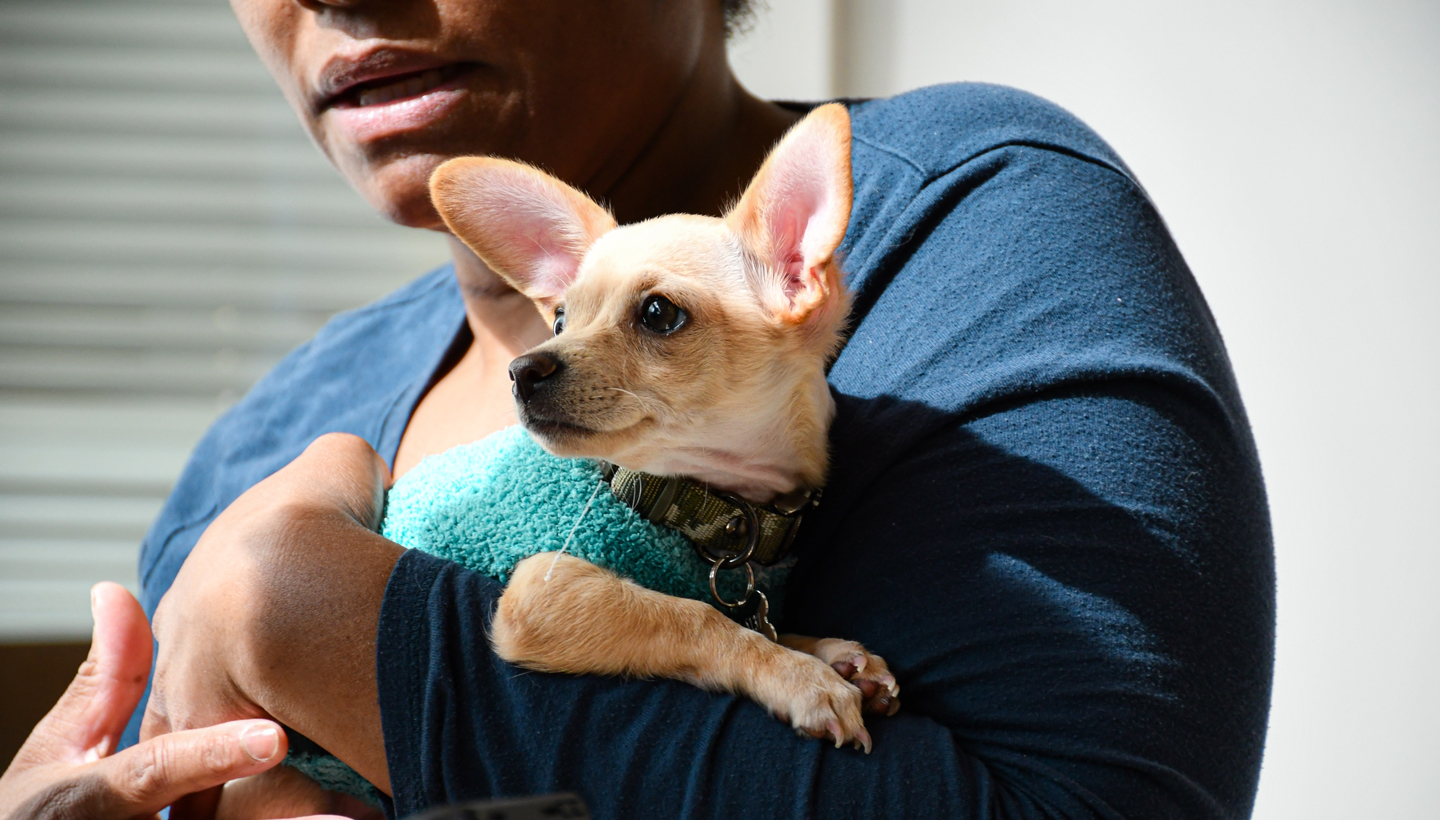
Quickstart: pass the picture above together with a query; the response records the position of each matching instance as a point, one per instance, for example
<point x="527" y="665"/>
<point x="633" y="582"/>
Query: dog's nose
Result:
<point x="530" y="370"/>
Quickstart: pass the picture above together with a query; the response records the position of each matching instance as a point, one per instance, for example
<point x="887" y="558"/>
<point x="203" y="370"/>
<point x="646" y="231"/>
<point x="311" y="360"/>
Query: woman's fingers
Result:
<point x="87" y="721"/>
<point x="120" y="649"/>
<point x="146" y="778"/>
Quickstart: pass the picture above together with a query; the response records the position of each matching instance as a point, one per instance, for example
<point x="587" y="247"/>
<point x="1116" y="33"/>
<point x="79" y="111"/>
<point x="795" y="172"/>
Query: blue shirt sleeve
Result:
<point x="1045" y="511"/>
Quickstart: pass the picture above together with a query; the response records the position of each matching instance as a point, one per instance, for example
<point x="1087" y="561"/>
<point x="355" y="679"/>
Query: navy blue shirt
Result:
<point x="1045" y="511"/>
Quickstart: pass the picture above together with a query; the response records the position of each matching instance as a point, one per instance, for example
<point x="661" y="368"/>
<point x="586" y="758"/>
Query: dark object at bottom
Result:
<point x="32" y="678"/>
<point x="542" y="807"/>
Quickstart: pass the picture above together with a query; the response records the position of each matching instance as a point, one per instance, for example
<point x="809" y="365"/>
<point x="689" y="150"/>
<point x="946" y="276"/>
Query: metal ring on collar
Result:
<point x="749" y="586"/>
<point x="752" y="529"/>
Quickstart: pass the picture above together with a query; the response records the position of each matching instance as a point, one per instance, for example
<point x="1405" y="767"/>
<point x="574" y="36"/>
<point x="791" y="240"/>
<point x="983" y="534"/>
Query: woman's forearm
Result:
<point x="274" y="613"/>
<point x="312" y="660"/>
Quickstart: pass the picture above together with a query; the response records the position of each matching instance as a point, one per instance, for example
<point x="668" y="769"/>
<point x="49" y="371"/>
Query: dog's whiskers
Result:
<point x="649" y="404"/>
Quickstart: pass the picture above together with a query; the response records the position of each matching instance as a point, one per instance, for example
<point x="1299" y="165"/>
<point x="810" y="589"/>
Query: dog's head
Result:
<point x="684" y="345"/>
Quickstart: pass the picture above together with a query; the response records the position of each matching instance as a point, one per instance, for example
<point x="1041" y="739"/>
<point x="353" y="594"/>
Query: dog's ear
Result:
<point x="528" y="226"/>
<point x="794" y="214"/>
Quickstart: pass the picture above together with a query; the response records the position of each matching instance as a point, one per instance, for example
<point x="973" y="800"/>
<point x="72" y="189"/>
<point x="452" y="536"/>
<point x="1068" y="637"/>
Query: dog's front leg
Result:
<point x="583" y="619"/>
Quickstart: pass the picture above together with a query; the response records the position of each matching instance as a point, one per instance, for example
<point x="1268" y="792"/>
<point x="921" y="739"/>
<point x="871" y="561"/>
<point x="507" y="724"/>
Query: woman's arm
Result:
<point x="1062" y="652"/>
<point x="274" y="613"/>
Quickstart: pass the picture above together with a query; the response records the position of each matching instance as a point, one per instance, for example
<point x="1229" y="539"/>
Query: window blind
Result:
<point x="167" y="233"/>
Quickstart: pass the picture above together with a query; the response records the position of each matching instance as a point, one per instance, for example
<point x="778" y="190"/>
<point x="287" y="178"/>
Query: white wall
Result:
<point x="785" y="54"/>
<point x="1294" y="150"/>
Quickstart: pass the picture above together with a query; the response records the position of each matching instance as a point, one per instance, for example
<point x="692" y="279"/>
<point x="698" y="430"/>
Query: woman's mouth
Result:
<point x="388" y="106"/>
<point x="396" y="88"/>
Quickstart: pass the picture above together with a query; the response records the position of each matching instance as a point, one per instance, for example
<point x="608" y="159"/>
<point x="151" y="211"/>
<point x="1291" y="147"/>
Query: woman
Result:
<point x="1045" y="509"/>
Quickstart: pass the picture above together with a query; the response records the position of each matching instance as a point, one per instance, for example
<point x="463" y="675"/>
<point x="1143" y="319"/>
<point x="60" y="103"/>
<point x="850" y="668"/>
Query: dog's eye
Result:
<point x="559" y="325"/>
<point x="661" y="315"/>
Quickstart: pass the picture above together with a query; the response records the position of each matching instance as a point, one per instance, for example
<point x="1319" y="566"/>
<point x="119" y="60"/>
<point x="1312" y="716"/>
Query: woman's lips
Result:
<point x="394" y="87"/>
<point x="392" y="105"/>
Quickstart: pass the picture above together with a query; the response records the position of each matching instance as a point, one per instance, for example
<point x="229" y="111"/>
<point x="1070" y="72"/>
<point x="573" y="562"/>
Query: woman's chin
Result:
<point x="399" y="190"/>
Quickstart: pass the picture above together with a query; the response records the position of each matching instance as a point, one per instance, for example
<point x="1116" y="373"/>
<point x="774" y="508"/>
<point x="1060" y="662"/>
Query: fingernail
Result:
<point x="94" y="600"/>
<point x="261" y="742"/>
<point x="99" y="750"/>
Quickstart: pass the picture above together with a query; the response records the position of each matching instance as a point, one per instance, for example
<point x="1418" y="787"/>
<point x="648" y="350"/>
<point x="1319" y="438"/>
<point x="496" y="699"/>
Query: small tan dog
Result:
<point x="690" y="346"/>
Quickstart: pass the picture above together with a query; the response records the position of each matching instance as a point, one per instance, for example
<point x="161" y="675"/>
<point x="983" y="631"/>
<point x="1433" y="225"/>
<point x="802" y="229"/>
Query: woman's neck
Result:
<point x="496" y="312"/>
<point x="702" y="155"/>
<point x="472" y="399"/>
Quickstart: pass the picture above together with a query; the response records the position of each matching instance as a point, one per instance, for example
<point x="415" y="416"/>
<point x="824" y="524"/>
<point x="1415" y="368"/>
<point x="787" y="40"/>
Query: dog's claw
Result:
<point x="833" y="727"/>
<point x="839" y="681"/>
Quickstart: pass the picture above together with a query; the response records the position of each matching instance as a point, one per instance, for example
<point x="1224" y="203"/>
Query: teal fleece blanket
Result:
<point x="490" y="504"/>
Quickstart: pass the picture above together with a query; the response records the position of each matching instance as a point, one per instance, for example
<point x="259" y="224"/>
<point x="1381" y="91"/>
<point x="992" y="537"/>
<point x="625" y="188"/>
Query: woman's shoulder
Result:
<point x="392" y="316"/>
<point x="999" y="248"/>
<point x="940" y="127"/>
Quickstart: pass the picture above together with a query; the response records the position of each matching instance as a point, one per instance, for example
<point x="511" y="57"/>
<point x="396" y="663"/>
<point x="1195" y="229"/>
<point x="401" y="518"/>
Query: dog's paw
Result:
<point x="867" y="671"/>
<point x="810" y="697"/>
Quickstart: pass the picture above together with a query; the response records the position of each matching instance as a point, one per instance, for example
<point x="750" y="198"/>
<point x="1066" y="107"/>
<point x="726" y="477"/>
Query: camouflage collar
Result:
<point x="718" y="523"/>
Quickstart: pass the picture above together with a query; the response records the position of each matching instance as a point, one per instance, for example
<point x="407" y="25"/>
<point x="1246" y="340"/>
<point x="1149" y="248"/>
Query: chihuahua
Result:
<point x="684" y="346"/>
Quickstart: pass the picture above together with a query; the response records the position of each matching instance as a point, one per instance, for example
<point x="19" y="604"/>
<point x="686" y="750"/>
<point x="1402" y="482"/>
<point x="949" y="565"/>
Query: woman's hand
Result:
<point x="66" y="768"/>
<point x="275" y="611"/>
